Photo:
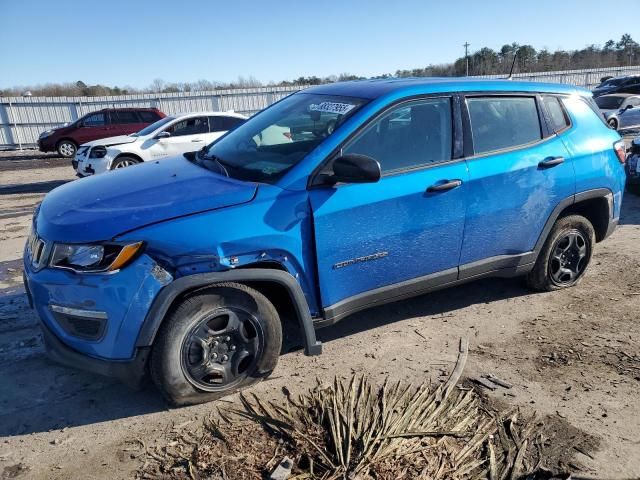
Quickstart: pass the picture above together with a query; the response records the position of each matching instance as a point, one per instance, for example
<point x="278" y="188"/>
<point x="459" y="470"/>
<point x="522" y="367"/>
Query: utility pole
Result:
<point x="466" y="56"/>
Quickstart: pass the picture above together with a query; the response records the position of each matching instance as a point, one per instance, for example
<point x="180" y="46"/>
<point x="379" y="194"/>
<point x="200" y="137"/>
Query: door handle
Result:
<point x="443" y="187"/>
<point x="197" y="140"/>
<point x="550" y="162"/>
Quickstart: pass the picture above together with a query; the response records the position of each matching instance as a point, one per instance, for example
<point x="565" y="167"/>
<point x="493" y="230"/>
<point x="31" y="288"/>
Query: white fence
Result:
<point x="23" y="118"/>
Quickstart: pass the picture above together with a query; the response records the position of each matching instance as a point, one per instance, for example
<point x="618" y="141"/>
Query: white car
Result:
<point x="170" y="136"/>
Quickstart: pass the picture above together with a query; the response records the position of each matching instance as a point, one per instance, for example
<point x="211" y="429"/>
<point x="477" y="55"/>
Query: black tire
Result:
<point x="124" y="161"/>
<point x="613" y="123"/>
<point x="557" y="267"/>
<point x="67" y="148"/>
<point x="178" y="355"/>
<point x="634" y="188"/>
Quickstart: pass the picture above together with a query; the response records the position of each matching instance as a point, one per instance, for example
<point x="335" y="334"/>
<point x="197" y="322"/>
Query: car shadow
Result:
<point x="432" y="304"/>
<point x="630" y="212"/>
<point x="37" y="187"/>
<point x="37" y="395"/>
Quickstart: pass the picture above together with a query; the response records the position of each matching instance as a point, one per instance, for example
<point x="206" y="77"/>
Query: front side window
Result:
<point x="266" y="146"/>
<point x="410" y="135"/>
<point x="94" y="120"/>
<point x="189" y="126"/>
<point x="609" y="102"/>
<point x="503" y="122"/>
<point x="557" y="116"/>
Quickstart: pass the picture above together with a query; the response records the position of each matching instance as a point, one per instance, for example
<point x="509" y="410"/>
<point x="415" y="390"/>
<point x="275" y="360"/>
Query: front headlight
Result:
<point x="98" y="152"/>
<point x="46" y="133"/>
<point x="107" y="257"/>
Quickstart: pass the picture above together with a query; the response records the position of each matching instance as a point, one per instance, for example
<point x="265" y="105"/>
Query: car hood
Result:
<point x="107" y="142"/>
<point x="103" y="206"/>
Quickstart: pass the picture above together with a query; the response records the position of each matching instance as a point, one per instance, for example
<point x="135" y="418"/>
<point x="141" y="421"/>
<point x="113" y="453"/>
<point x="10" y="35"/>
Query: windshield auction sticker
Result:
<point x="331" y="107"/>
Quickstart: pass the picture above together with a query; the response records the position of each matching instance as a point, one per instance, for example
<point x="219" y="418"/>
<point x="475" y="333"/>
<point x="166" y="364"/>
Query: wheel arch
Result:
<point x="265" y="279"/>
<point x="595" y="205"/>
<point x="67" y="139"/>
<point x="128" y="154"/>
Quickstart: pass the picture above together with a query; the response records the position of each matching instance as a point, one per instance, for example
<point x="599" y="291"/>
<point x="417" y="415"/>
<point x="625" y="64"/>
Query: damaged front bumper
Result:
<point x="92" y="321"/>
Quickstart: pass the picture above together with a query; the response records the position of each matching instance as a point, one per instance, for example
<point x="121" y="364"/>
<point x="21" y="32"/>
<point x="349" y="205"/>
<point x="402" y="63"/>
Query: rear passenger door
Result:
<point x="519" y="170"/>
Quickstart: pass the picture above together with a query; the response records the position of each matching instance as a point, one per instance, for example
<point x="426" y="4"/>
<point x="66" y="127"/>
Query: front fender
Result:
<point x="170" y="292"/>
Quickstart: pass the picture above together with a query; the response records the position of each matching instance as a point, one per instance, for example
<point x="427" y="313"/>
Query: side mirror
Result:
<point x="628" y="107"/>
<point x="162" y="135"/>
<point x="356" y="168"/>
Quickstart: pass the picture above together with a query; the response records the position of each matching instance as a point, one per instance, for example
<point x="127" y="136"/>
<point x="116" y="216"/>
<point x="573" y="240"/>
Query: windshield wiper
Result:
<point x="222" y="166"/>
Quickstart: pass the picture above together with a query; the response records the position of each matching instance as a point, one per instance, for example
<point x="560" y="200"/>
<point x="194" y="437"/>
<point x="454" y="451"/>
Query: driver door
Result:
<point x="407" y="227"/>
<point x="188" y="135"/>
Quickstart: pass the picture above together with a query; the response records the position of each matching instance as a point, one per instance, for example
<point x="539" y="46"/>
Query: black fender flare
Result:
<point x="572" y="200"/>
<point x="170" y="292"/>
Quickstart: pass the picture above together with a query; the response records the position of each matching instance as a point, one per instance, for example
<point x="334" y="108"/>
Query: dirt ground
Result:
<point x="572" y="355"/>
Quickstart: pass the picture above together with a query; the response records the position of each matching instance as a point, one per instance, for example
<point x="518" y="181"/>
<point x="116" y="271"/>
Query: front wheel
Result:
<point x="613" y="123"/>
<point x="67" y="148"/>
<point x="565" y="256"/>
<point x="214" y="343"/>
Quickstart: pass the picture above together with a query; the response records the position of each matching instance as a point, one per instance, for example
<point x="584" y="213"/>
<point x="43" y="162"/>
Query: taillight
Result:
<point x="620" y="150"/>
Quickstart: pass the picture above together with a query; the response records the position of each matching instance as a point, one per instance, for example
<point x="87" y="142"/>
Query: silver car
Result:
<point x="621" y="110"/>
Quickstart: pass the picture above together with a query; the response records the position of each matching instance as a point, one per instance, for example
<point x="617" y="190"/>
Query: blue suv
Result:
<point x="330" y="201"/>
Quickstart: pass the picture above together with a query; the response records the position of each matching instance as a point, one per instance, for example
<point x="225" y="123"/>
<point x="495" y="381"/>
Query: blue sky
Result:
<point x="129" y="42"/>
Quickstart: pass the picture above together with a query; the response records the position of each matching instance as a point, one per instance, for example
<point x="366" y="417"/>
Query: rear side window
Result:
<point x="148" y="117"/>
<point x="124" y="116"/>
<point x="94" y="120"/>
<point x="219" y="123"/>
<point x="503" y="122"/>
<point x="557" y="116"/>
<point x="411" y="135"/>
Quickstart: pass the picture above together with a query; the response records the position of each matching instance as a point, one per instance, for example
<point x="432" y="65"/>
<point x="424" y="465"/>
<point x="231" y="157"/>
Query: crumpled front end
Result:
<point x="96" y="314"/>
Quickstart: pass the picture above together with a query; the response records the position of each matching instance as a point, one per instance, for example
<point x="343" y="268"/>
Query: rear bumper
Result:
<point x="131" y="372"/>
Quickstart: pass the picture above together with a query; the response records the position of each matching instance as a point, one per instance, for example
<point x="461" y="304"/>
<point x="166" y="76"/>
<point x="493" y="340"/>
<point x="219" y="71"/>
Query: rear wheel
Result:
<point x="123" y="162"/>
<point x="67" y="148"/>
<point x="215" y="343"/>
<point x="565" y="256"/>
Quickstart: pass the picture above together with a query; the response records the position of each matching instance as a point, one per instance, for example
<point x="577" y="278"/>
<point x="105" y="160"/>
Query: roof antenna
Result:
<point x="513" y="64"/>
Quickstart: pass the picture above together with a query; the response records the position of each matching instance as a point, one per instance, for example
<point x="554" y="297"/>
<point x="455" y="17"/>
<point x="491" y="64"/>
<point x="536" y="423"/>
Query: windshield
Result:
<point x="264" y="147"/>
<point x="609" y="103"/>
<point x="153" y="127"/>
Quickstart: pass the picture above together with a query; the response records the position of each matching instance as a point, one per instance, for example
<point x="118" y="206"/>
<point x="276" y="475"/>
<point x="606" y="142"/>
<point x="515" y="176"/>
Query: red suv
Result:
<point x="107" y="122"/>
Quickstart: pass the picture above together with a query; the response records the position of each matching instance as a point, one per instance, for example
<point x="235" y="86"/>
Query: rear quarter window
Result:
<point x="558" y="118"/>
<point x="498" y="123"/>
<point x="148" y="117"/>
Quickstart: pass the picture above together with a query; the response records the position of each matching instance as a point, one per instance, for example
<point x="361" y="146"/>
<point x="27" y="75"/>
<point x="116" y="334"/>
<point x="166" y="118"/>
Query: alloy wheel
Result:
<point x="124" y="163"/>
<point x="222" y="349"/>
<point x="569" y="258"/>
<point x="67" y="149"/>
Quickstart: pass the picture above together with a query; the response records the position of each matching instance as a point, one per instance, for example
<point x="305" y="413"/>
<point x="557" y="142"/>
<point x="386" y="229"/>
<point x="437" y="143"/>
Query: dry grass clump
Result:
<point x="356" y="430"/>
